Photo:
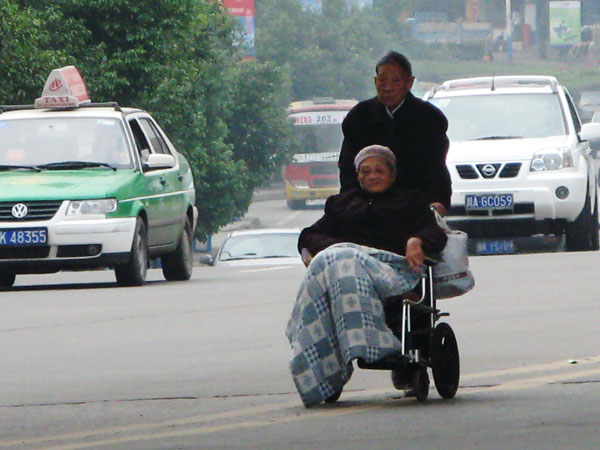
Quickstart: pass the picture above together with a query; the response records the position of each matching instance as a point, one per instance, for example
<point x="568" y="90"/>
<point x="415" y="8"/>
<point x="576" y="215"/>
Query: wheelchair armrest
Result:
<point x="431" y="259"/>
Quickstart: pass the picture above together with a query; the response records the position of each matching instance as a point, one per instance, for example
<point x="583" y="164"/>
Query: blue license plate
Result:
<point x="488" y="201"/>
<point x="23" y="236"/>
<point x="495" y="247"/>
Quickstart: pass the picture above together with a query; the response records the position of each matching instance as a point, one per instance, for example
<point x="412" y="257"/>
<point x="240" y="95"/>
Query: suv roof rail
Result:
<point x="502" y="80"/>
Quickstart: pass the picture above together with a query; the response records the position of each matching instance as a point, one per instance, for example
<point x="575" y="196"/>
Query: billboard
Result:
<point x="244" y="11"/>
<point x="565" y="23"/>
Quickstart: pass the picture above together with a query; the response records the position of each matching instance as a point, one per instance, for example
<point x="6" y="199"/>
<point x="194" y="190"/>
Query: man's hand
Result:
<point x="414" y="253"/>
<point x="306" y="256"/>
<point x="441" y="209"/>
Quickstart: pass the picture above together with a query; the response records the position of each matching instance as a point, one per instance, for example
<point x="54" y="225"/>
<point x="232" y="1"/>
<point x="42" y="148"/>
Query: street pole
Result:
<point x="508" y="41"/>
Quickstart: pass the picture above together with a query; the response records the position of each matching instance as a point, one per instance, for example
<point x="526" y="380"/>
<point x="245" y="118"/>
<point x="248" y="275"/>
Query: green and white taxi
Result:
<point x="86" y="185"/>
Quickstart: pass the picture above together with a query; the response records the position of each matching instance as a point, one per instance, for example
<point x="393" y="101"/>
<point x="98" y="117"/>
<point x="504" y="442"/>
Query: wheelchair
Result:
<point x="413" y="318"/>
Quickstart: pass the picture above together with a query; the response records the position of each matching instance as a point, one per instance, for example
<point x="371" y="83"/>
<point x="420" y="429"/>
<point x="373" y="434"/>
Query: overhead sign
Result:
<point x="565" y="23"/>
<point x="244" y="11"/>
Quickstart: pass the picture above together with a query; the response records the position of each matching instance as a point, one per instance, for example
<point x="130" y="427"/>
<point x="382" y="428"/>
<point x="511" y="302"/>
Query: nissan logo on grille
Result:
<point x="19" y="211"/>
<point x="488" y="170"/>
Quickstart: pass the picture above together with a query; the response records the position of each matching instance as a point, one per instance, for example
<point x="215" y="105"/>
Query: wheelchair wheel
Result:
<point x="420" y="383"/>
<point x="334" y="397"/>
<point x="399" y="380"/>
<point x="445" y="363"/>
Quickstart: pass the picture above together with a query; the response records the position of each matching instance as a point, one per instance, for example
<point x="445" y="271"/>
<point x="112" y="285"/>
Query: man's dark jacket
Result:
<point x="416" y="135"/>
<point x="384" y="221"/>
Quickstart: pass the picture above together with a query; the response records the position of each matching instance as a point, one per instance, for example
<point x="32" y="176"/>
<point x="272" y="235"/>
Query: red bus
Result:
<point x="313" y="173"/>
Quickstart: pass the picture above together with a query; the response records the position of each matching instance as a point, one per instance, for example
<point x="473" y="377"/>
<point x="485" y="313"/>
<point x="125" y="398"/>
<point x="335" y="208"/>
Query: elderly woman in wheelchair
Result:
<point x="365" y="265"/>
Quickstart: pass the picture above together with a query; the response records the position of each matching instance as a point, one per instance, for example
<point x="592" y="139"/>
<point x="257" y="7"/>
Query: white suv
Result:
<point x="519" y="160"/>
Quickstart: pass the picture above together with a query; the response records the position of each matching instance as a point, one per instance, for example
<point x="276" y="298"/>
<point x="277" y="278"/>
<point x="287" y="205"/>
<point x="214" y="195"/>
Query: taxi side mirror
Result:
<point x="157" y="161"/>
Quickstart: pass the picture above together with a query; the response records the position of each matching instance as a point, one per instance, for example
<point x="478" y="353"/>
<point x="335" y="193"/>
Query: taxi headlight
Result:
<point x="552" y="159"/>
<point x="300" y="184"/>
<point x="98" y="206"/>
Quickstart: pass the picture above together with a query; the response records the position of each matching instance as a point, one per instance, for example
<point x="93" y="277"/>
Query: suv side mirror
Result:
<point x="589" y="131"/>
<point x="159" y="161"/>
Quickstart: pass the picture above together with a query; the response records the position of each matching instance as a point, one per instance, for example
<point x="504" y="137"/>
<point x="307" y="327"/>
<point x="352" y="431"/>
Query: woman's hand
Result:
<point x="414" y="253"/>
<point x="306" y="256"/>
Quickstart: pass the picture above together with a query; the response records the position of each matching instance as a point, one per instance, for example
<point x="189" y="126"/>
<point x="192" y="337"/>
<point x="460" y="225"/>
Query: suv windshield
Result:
<point x="502" y="116"/>
<point x="37" y="142"/>
<point x="260" y="246"/>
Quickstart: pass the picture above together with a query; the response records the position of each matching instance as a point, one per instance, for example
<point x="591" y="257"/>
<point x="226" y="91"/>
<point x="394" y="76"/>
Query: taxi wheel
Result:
<point x="133" y="273"/>
<point x="7" y="279"/>
<point x="178" y="266"/>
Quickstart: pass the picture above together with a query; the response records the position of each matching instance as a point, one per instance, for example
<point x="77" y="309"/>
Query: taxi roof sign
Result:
<point x="64" y="88"/>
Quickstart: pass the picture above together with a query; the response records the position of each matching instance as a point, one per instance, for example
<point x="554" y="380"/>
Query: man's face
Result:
<point x="392" y="84"/>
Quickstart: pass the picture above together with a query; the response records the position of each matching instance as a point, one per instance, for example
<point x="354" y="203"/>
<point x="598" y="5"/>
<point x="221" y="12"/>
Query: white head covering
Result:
<point x="375" y="150"/>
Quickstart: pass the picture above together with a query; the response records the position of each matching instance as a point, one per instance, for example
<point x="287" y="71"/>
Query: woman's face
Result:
<point x="375" y="175"/>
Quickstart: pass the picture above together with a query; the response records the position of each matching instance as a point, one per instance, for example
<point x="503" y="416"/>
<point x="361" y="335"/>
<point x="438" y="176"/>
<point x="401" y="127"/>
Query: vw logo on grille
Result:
<point x="488" y="170"/>
<point x="19" y="211"/>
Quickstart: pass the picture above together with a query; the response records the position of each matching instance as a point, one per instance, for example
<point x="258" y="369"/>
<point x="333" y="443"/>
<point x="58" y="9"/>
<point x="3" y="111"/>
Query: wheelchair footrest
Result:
<point x="389" y="363"/>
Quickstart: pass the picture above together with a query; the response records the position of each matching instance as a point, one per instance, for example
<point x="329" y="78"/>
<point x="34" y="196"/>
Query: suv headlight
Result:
<point x="552" y="159"/>
<point x="97" y="206"/>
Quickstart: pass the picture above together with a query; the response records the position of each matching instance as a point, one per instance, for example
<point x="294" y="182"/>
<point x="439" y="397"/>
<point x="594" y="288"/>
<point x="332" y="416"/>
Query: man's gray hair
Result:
<point x="396" y="59"/>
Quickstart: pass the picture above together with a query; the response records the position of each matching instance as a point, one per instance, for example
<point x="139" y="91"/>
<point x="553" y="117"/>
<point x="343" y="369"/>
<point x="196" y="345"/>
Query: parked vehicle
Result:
<point x="86" y="185"/>
<point x="519" y="160"/>
<point x="313" y="174"/>
<point x="264" y="246"/>
<point x="589" y="103"/>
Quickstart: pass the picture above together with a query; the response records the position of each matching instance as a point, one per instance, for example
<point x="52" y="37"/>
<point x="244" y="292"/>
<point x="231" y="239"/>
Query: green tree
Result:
<point x="332" y="53"/>
<point x="175" y="58"/>
<point x="24" y="53"/>
<point x="258" y="127"/>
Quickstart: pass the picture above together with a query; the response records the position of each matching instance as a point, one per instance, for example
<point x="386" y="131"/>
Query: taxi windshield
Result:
<point x="45" y="141"/>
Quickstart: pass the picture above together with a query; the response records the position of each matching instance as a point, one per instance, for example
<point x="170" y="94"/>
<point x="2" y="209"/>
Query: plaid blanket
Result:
<point x="338" y="316"/>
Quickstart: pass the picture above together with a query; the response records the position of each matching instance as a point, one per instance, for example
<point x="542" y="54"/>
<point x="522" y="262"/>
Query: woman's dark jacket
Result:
<point x="384" y="221"/>
<point x="417" y="136"/>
